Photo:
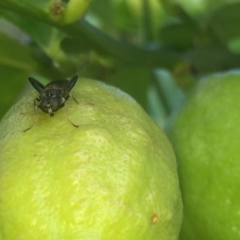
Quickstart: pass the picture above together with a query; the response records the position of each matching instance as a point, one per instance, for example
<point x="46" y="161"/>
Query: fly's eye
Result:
<point x="44" y="105"/>
<point x="55" y="104"/>
<point x="52" y="94"/>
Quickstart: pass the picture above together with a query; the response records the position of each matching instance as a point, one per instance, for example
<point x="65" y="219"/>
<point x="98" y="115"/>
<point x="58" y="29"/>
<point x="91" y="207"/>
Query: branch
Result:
<point x="122" y="52"/>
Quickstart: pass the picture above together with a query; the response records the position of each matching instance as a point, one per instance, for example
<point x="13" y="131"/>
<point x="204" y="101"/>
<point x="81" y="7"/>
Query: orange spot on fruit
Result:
<point x="154" y="218"/>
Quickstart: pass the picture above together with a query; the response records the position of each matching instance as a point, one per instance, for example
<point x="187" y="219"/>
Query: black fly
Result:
<point x="53" y="96"/>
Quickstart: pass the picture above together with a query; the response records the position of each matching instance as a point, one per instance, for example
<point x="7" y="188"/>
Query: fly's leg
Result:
<point x="66" y="109"/>
<point x="36" y="116"/>
<point x="85" y="103"/>
<point x="75" y="100"/>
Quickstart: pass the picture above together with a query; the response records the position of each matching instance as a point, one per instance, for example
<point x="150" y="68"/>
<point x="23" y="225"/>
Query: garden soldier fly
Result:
<point x="53" y="96"/>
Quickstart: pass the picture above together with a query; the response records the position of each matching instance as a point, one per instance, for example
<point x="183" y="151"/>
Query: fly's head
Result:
<point x="50" y="101"/>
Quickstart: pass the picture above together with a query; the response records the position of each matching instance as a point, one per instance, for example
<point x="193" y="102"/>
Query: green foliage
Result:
<point x="120" y="42"/>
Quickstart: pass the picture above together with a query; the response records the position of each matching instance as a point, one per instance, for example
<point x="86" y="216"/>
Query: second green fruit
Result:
<point x="206" y="139"/>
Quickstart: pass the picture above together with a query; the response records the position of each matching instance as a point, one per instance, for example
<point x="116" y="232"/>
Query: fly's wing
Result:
<point x="72" y="82"/>
<point x="36" y="84"/>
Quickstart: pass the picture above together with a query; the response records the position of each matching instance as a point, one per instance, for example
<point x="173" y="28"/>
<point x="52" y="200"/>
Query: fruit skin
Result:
<point x="74" y="10"/>
<point x="113" y="177"/>
<point x="206" y="135"/>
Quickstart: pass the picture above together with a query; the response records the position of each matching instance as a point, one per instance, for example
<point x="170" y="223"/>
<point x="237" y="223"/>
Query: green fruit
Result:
<point x="113" y="177"/>
<point x="74" y="10"/>
<point x="206" y="138"/>
<point x="67" y="13"/>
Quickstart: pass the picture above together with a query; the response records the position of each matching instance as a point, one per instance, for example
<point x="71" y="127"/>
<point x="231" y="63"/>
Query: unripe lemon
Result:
<point x="206" y="138"/>
<point x="113" y="177"/>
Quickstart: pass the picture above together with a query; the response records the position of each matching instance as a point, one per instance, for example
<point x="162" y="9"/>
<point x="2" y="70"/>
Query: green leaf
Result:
<point x="224" y="22"/>
<point x="78" y="46"/>
<point x="182" y="32"/>
<point x="16" y="55"/>
<point x="38" y="8"/>
<point x="39" y="32"/>
<point x="46" y="37"/>
<point x="212" y="58"/>
<point x="123" y="52"/>
<point x="178" y="35"/>
<point x="12" y="80"/>
<point x="125" y="20"/>
<point x="134" y="81"/>
<point x="104" y="11"/>
<point x="115" y="16"/>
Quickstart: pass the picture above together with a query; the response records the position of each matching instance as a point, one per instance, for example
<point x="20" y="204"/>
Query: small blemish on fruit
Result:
<point x="154" y="218"/>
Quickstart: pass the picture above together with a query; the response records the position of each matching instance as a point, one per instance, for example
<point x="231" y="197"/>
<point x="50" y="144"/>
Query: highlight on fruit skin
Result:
<point x="113" y="177"/>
